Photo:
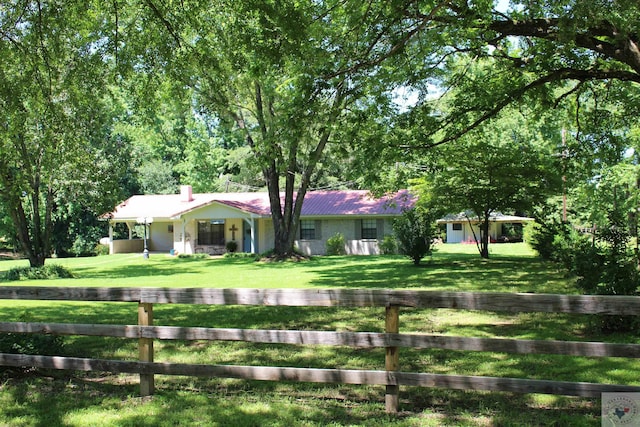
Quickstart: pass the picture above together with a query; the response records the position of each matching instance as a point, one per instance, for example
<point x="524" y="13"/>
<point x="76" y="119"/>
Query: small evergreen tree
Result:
<point x="415" y="230"/>
<point x="609" y="266"/>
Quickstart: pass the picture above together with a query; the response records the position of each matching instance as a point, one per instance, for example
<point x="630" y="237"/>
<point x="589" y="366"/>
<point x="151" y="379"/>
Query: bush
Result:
<point x="415" y="230"/>
<point x="231" y="246"/>
<point x="101" y="249"/>
<point x="193" y="256"/>
<point x="30" y="343"/>
<point x="238" y="255"/>
<point x="336" y="245"/>
<point x="554" y="241"/>
<point x="83" y="247"/>
<point x="50" y="271"/>
<point x="609" y="266"/>
<point x="388" y="245"/>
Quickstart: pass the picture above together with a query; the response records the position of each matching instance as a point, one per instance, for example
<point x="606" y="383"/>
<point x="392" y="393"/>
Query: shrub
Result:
<point x="30" y="343"/>
<point x="388" y="245"/>
<point x="50" y="271"/>
<point x="608" y="266"/>
<point x="193" y="256"/>
<point x="101" y="249"/>
<point x="231" y="246"/>
<point x="415" y="230"/>
<point x="336" y="245"/>
<point x="239" y="255"/>
<point x="83" y="247"/>
<point x="554" y="241"/>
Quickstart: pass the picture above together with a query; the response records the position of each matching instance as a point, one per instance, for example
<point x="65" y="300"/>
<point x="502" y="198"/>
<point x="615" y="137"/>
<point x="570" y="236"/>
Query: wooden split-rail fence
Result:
<point x="392" y="340"/>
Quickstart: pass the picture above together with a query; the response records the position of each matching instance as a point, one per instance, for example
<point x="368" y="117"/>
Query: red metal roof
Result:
<point x="316" y="203"/>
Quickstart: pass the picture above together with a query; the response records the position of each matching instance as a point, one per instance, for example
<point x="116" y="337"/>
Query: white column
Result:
<point x="184" y="238"/>
<point x="252" y="224"/>
<point x="110" y="238"/>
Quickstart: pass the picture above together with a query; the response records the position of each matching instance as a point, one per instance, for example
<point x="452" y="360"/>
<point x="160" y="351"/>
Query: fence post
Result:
<point x="392" y="358"/>
<point x="145" y="347"/>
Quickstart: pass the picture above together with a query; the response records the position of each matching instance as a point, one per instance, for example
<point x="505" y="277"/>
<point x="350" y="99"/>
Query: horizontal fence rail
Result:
<point x="489" y="301"/>
<point x="391" y="340"/>
<point x="350" y="339"/>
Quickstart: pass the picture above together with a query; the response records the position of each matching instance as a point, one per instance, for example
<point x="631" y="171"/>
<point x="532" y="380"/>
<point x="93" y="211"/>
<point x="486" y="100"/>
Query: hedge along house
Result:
<point x="190" y="223"/>
<point x="464" y="228"/>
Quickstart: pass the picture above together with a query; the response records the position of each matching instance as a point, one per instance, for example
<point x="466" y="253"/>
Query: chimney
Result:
<point x="186" y="193"/>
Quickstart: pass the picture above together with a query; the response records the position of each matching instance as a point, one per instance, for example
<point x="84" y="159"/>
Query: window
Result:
<point x="211" y="232"/>
<point x="456" y="226"/>
<point x="307" y="230"/>
<point x="369" y="229"/>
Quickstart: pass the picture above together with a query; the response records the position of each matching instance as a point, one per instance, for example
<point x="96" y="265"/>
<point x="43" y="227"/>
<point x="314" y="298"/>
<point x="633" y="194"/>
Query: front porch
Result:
<point x="186" y="236"/>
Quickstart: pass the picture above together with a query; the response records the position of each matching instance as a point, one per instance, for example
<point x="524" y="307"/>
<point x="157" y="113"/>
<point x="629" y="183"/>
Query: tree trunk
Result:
<point x="281" y="158"/>
<point x="285" y="217"/>
<point x="33" y="233"/>
<point x="35" y="256"/>
<point x="484" y="237"/>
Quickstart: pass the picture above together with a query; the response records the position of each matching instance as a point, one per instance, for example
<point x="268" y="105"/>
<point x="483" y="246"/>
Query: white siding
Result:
<point x="348" y="228"/>
<point x="456" y="236"/>
<point x="160" y="239"/>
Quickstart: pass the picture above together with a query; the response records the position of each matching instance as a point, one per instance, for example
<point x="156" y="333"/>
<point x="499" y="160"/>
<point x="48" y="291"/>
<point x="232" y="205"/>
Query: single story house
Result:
<point x="189" y="223"/>
<point x="460" y="228"/>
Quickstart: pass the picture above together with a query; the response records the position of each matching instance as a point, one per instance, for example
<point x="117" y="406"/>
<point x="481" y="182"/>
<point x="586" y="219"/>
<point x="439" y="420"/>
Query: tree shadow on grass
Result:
<point x="466" y="273"/>
<point x="129" y="271"/>
<point x="69" y="400"/>
<point x="459" y="407"/>
<point x="57" y="399"/>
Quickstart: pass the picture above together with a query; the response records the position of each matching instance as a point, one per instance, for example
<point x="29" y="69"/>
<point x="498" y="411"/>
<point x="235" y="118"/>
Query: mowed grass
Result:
<point x="78" y="399"/>
<point x="453" y="267"/>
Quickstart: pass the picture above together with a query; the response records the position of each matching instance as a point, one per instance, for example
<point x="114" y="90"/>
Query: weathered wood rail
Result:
<point x="392" y="340"/>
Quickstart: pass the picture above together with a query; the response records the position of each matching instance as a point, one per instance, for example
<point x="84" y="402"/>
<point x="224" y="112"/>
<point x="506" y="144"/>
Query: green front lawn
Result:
<point x="104" y="400"/>
<point x="512" y="268"/>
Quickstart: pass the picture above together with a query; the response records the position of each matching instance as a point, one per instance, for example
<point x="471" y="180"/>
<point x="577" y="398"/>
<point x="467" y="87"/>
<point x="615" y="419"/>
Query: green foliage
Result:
<point x="194" y="256"/>
<point x="605" y="263"/>
<point x="231" y="246"/>
<point x="553" y="240"/>
<point x="101" y="249"/>
<point x="50" y="271"/>
<point x="76" y="231"/>
<point x="239" y="255"/>
<point x="610" y="267"/>
<point x="532" y="64"/>
<point x="56" y="142"/>
<point x="415" y="230"/>
<point x="14" y="343"/>
<point x="336" y="245"/>
<point x="156" y="177"/>
<point x="505" y="169"/>
<point x="388" y="245"/>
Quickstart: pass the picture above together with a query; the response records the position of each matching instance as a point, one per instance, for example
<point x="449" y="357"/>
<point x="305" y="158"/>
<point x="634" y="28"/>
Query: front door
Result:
<point x="246" y="240"/>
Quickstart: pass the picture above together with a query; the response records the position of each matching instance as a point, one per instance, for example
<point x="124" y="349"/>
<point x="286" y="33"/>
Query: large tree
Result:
<point x="54" y="117"/>
<point x="541" y="53"/>
<point x="288" y="75"/>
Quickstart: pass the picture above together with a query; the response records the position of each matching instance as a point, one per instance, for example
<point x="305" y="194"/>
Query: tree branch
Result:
<point x="624" y="49"/>
<point x="393" y="50"/>
<point x="561" y="74"/>
<point x="164" y="21"/>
